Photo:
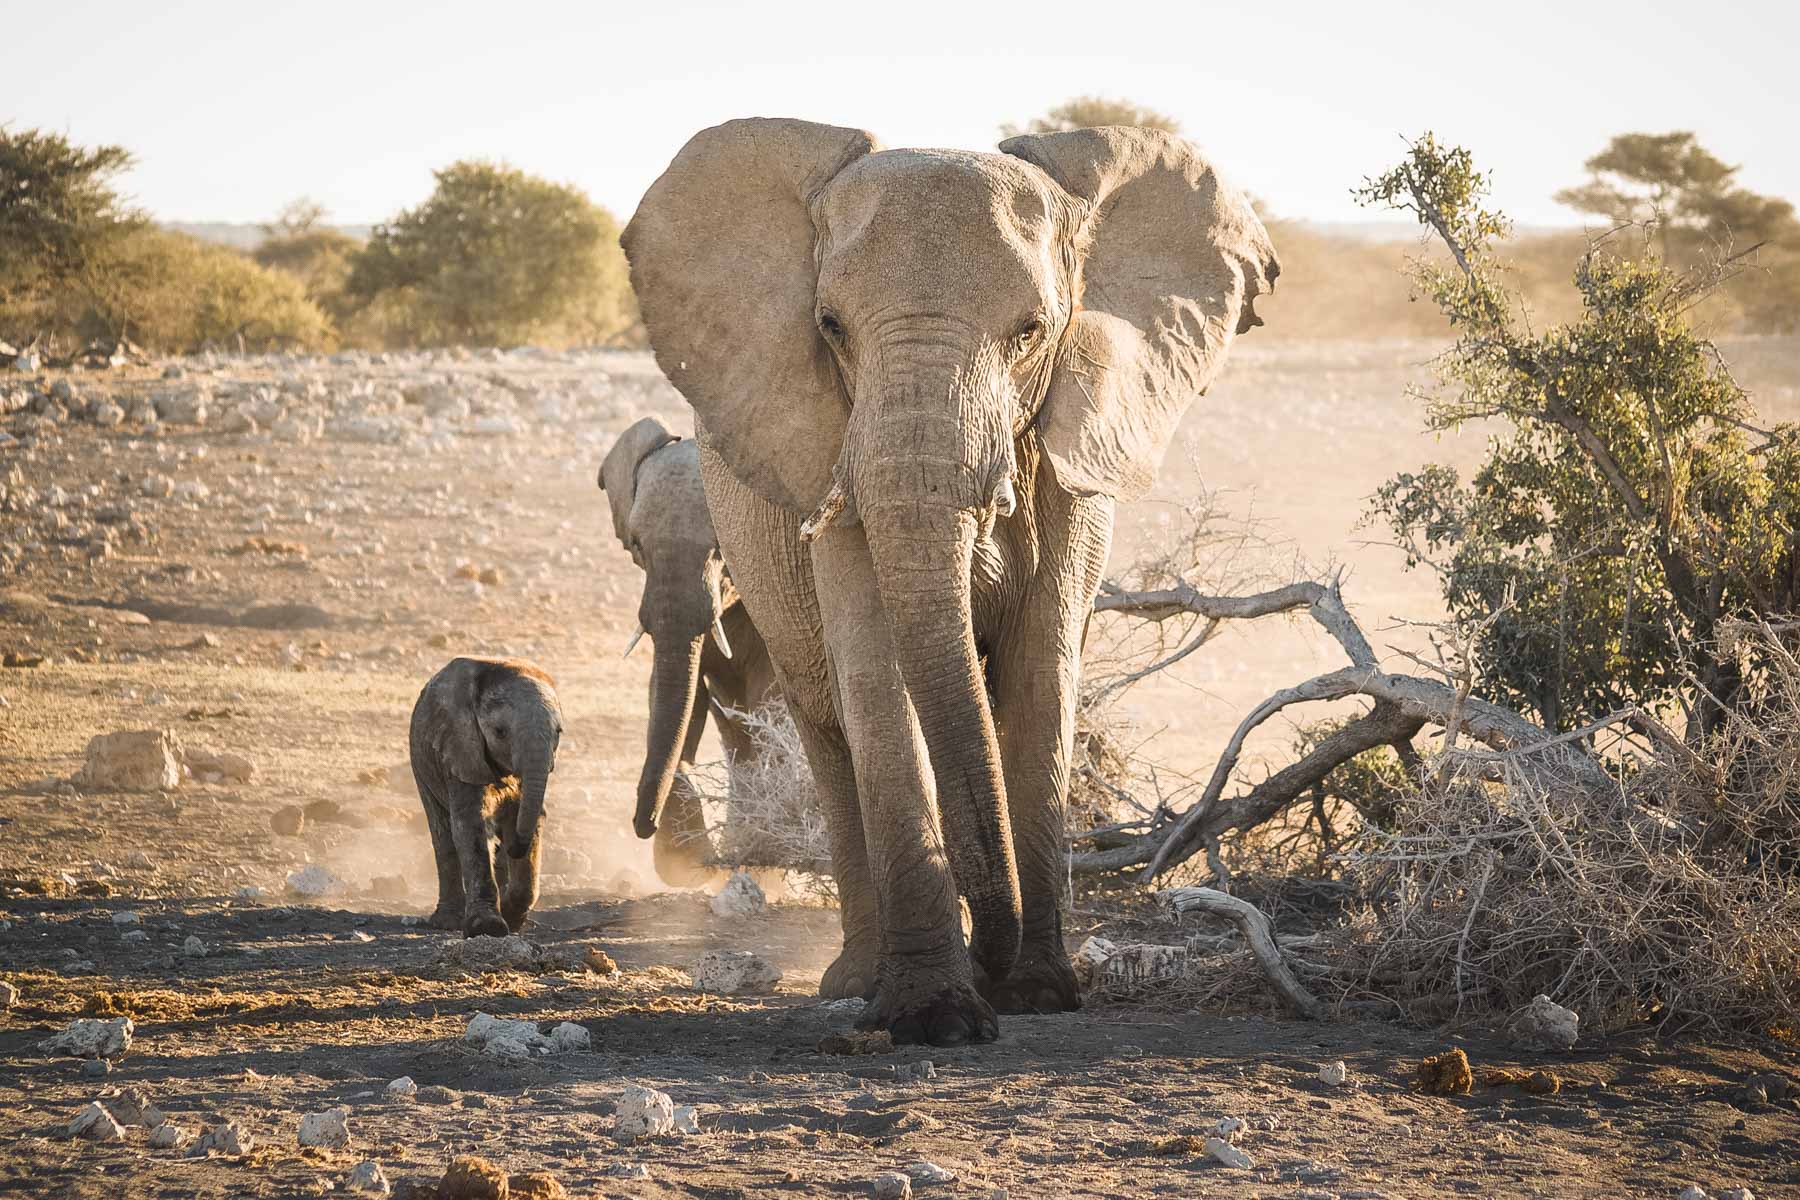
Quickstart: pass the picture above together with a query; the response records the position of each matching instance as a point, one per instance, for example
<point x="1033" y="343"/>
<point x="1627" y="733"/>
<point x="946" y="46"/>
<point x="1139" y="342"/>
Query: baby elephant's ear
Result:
<point x="618" y="474"/>
<point x="1175" y="256"/>
<point x="452" y="731"/>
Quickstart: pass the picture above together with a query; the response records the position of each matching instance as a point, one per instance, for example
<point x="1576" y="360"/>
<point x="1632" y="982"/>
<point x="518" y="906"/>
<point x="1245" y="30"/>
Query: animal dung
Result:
<point x="1538" y="1083"/>
<point x="1446" y="1074"/>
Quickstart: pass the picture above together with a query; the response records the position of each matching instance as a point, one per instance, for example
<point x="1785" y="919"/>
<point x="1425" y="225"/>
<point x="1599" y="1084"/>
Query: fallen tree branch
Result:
<point x="1257" y="934"/>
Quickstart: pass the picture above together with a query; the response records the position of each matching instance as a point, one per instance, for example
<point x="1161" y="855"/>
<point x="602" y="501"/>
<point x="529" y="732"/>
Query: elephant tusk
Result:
<point x="632" y="645"/>
<point x="1005" y="499"/>
<point x="827" y="512"/>
<point x="719" y="637"/>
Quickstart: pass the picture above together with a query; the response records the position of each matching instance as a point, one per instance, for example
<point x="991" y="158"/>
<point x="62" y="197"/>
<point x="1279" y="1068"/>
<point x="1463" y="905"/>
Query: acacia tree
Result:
<point x="61" y="221"/>
<point x="1692" y="200"/>
<point x="1089" y="112"/>
<point x="498" y="257"/>
<point x="1630" y="505"/>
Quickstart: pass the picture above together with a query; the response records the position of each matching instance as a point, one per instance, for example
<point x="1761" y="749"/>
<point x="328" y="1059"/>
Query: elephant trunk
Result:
<point x="674" y="682"/>
<point x="921" y="529"/>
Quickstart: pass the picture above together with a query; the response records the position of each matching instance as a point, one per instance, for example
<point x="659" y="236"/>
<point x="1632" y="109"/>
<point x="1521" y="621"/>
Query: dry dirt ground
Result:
<point x="290" y="613"/>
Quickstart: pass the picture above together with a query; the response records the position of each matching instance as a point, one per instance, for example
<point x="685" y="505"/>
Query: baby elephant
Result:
<point x="484" y="737"/>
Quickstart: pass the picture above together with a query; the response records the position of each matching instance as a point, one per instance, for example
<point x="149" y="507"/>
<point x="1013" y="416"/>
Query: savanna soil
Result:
<point x="290" y="613"/>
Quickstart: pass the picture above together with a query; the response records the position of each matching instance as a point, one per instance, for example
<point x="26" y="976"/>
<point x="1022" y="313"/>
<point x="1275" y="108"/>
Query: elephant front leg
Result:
<point x="481" y="910"/>
<point x="1037" y="684"/>
<point x="924" y="988"/>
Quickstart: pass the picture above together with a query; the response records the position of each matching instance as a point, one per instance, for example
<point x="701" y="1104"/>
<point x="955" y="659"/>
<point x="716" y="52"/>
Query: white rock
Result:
<point x="330" y="1128"/>
<point x="226" y="1138"/>
<point x="185" y="407"/>
<point x="495" y="426"/>
<point x="402" y="1088"/>
<point x="108" y="414"/>
<point x="1224" y="1152"/>
<point x="687" y="1118"/>
<point x="168" y="1136"/>
<point x="567" y="1036"/>
<point x="9" y="995"/>
<point x="891" y="1185"/>
<point x="740" y="897"/>
<point x="193" y="947"/>
<point x="483" y="1029"/>
<point x="133" y="1107"/>
<point x="249" y="892"/>
<point x="505" y="1047"/>
<point x="1090" y="957"/>
<point x="133" y="760"/>
<point x="1692" y="1191"/>
<point x="89" y="1037"/>
<point x="314" y="881"/>
<point x="1229" y="1128"/>
<point x="1549" y="1023"/>
<point x="367" y="1179"/>
<point x="734" y="973"/>
<point x="1133" y="966"/>
<point x="930" y="1172"/>
<point x="126" y="916"/>
<point x="1333" y="1074"/>
<point x="1737" y="1194"/>
<point x="96" y="1124"/>
<point x="621" y="1170"/>
<point x="232" y="768"/>
<point x="643" y="1112"/>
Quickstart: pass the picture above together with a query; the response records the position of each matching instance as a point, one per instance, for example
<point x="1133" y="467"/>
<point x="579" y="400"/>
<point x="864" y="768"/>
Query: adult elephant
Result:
<point x="922" y="378"/>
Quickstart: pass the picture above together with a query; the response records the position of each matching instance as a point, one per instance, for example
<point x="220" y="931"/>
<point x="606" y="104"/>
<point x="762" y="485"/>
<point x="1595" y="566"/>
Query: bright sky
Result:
<point x="233" y="109"/>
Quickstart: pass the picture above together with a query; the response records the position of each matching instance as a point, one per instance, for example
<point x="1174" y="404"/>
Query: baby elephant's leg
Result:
<point x="481" y="913"/>
<point x="518" y="877"/>
<point x="449" y="911"/>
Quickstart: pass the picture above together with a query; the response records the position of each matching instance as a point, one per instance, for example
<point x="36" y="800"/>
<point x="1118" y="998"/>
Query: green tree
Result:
<point x="298" y="243"/>
<point x="1089" y="112"/>
<point x="496" y="257"/>
<point x="1693" y="203"/>
<point x="61" y="221"/>
<point x="1628" y="507"/>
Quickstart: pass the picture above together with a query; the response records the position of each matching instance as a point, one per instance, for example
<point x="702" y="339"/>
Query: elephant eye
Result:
<point x="831" y="327"/>
<point x="500" y="733"/>
<point x="1029" y="334"/>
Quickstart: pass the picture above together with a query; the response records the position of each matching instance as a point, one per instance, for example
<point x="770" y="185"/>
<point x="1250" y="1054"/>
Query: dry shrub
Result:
<point x="763" y="810"/>
<point x="1675" y="898"/>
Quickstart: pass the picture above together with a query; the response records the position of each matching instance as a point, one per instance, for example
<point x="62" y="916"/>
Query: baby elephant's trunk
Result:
<point x="532" y="782"/>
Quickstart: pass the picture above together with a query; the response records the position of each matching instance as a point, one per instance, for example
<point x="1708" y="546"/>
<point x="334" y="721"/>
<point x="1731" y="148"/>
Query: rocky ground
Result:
<point x="266" y="558"/>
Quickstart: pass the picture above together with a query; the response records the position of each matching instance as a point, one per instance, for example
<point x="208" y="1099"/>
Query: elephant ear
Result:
<point x="452" y="730"/>
<point x="619" y="471"/>
<point x="1174" y="258"/>
<point x="722" y="259"/>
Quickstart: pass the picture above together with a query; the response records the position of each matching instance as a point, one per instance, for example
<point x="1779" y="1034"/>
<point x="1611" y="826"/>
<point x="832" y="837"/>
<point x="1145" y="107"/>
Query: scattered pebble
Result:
<point x="734" y="973"/>
<point x="1548" y="1023"/>
<point x="168" y="1136"/>
<point x="740" y="897"/>
<point x="87" y="1037"/>
<point x="930" y="1172"/>
<point x="330" y="1129"/>
<point x="891" y="1185"/>
<point x="228" y="1137"/>
<point x="1229" y="1128"/>
<point x="643" y="1112"/>
<point x="193" y="947"/>
<point x="314" y="882"/>
<point x="126" y="916"/>
<point x="367" y="1179"/>
<point x="687" y="1118"/>
<point x="1228" y="1154"/>
<point x="402" y="1088"/>
<point x="9" y="995"/>
<point x="1333" y="1074"/>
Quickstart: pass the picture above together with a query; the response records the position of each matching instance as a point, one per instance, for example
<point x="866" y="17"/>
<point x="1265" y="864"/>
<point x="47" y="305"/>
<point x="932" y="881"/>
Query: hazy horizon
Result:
<point x="355" y="105"/>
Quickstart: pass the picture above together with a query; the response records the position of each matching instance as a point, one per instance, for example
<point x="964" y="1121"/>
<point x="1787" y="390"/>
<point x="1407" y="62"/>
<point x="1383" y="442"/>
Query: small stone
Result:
<point x="567" y="1036"/>
<point x="627" y="1171"/>
<point x="96" y="1068"/>
<point x="402" y="1088"/>
<point x="1548" y="1023"/>
<point x="330" y="1128"/>
<point x="1228" y="1154"/>
<point x="133" y="1107"/>
<point x="248" y="892"/>
<point x="891" y="1185"/>
<point x="930" y="1172"/>
<point x="914" y="1072"/>
<point x="1089" y="958"/>
<point x="168" y="1136"/>
<point x="1737" y="1194"/>
<point x="314" y="882"/>
<point x="687" y="1118"/>
<point x="225" y="1138"/>
<point x="734" y="973"/>
<point x="139" y="760"/>
<point x="96" y="1124"/>
<point x="289" y="821"/>
<point x="1692" y="1191"/>
<point x="740" y="897"/>
<point x="643" y="1112"/>
<point x="87" y="1037"/>
<point x="126" y="916"/>
<point x="1333" y="1074"/>
<point x="9" y="995"/>
<point x="1229" y="1129"/>
<point x="193" y="947"/>
<point x="367" y="1179"/>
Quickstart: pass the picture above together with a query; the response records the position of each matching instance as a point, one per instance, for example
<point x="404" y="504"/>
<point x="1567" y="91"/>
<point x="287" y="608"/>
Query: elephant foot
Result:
<point x="446" y="917"/>
<point x="679" y="861"/>
<point x="514" y="918"/>
<point x="851" y="976"/>
<point x="486" y="923"/>
<point x="930" y="1013"/>
<point x="1041" y="982"/>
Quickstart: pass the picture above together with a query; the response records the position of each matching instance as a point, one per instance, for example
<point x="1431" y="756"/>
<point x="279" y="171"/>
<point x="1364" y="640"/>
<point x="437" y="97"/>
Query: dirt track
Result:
<point x="381" y="536"/>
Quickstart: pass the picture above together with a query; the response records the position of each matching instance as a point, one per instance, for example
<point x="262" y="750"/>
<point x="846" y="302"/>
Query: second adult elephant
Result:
<point x="709" y="655"/>
<point x="921" y="379"/>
